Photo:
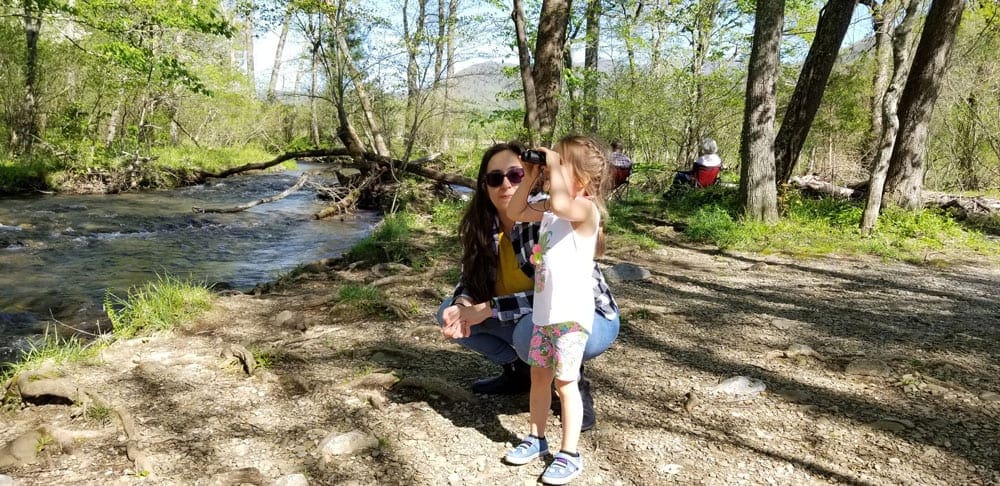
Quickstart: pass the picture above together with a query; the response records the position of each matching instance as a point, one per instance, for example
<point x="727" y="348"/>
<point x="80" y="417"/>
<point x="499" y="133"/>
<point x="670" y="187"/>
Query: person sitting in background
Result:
<point x="621" y="165"/>
<point x="705" y="170"/>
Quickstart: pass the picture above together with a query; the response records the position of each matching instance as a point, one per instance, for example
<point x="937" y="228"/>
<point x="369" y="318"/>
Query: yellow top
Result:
<point x="510" y="278"/>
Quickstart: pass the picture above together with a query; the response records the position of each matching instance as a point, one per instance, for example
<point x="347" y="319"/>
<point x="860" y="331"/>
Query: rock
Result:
<point x="292" y="480"/>
<point x="868" y="367"/>
<point x="625" y="272"/>
<point x="990" y="397"/>
<point x="670" y="469"/>
<point x="347" y="174"/>
<point x="757" y="267"/>
<point x="740" y="386"/>
<point x="346" y="444"/>
<point x="287" y="318"/>
<point x="889" y="425"/>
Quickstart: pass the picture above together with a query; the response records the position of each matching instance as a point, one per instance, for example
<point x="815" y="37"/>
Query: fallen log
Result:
<point x="243" y="207"/>
<point x="349" y="200"/>
<point x="965" y="205"/>
<point x="413" y="167"/>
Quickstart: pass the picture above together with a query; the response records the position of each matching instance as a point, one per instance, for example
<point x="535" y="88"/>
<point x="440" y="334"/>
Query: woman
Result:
<point x="490" y="311"/>
<point x="705" y="169"/>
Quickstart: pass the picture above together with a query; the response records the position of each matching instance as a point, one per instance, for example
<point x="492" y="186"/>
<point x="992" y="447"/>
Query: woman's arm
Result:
<point x="519" y="208"/>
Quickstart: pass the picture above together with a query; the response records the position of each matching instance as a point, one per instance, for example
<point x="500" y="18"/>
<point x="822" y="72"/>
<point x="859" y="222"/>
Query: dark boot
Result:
<point x="589" y="417"/>
<point x="515" y="379"/>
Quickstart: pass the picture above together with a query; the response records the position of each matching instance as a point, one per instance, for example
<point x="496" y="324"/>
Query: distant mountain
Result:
<point x="480" y="84"/>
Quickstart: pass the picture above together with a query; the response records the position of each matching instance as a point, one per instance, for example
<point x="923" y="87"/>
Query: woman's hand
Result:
<point x="458" y="319"/>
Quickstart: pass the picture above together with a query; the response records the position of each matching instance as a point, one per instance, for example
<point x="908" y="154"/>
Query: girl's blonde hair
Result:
<point x="589" y="158"/>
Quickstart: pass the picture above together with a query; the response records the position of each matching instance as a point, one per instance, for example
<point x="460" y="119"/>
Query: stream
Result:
<point x="59" y="255"/>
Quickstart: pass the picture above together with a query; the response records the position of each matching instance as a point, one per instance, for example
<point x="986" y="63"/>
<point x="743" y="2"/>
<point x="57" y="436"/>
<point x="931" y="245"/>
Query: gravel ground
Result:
<point x="875" y="373"/>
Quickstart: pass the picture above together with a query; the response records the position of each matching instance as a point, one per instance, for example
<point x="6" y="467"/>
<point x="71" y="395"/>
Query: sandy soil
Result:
<point x="875" y="373"/>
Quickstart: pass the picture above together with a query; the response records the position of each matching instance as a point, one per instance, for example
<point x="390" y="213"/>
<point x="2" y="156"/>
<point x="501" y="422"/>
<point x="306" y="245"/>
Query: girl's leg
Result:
<point x="602" y="335"/>
<point x="541" y="399"/>
<point x="572" y="414"/>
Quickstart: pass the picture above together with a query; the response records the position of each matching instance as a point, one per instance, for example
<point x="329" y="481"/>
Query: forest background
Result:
<point x="161" y="89"/>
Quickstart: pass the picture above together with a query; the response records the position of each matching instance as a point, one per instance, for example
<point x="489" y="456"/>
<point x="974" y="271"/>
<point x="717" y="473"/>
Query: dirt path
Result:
<point x="901" y="388"/>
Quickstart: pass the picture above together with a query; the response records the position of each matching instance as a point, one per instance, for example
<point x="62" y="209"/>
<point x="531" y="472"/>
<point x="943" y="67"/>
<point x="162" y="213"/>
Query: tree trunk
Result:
<point x="373" y="125"/>
<point x="450" y="65"/>
<point x="28" y="129"/>
<point x="439" y="43"/>
<point x="248" y="46"/>
<point x="114" y="120"/>
<point x="278" y="52"/>
<point x="830" y="31"/>
<point x="590" y="66"/>
<point x="757" y="190"/>
<point x="314" y="75"/>
<point x="548" y="67"/>
<point x="916" y="105"/>
<point x="704" y="23"/>
<point x="901" y="42"/>
<point x="527" y="81"/>
<point x="883" y="18"/>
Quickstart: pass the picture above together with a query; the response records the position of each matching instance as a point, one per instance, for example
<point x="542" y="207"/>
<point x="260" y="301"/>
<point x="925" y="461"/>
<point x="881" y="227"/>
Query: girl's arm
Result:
<point x="519" y="208"/>
<point x="561" y="203"/>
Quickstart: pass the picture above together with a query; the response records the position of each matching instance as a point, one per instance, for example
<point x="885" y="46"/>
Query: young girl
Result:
<point x="569" y="238"/>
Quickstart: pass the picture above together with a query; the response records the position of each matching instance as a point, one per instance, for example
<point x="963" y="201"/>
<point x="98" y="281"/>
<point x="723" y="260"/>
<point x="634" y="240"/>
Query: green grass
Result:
<point x="24" y="175"/>
<point x="813" y="227"/>
<point x="389" y="242"/>
<point x="188" y="157"/>
<point x="156" y="306"/>
<point x="55" y="349"/>
<point x="367" y="300"/>
<point x="447" y="215"/>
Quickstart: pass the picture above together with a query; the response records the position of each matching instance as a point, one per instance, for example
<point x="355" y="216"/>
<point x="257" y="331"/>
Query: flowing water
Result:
<point x="60" y="254"/>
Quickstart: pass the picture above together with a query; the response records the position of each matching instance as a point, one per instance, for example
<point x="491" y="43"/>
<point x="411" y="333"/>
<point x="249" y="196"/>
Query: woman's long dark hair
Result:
<point x="479" y="260"/>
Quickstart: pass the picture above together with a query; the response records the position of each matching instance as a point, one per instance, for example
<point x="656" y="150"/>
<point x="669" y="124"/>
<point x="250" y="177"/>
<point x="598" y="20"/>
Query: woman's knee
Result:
<point x="602" y="335"/>
<point x="522" y="336"/>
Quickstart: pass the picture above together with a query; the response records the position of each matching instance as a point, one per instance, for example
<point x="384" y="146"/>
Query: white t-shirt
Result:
<point x="564" y="279"/>
<point x="709" y="160"/>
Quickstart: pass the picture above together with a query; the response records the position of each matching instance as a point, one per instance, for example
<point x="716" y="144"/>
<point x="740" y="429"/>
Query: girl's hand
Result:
<point x="552" y="158"/>
<point x="532" y="171"/>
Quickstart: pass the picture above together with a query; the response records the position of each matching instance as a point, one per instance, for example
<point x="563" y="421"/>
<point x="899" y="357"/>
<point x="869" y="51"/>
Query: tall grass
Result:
<point x="187" y="157"/>
<point x="156" y="306"/>
<point x="389" y="242"/>
<point x="51" y="348"/>
<point x="813" y="227"/>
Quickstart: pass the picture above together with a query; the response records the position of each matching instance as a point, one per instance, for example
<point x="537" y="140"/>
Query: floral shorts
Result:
<point x="558" y="346"/>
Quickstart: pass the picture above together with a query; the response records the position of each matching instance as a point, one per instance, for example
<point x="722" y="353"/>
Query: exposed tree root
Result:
<point x="235" y="353"/>
<point x="437" y="386"/>
<point x="64" y="391"/>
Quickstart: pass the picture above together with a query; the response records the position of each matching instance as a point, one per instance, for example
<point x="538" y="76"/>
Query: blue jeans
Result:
<point x="503" y="342"/>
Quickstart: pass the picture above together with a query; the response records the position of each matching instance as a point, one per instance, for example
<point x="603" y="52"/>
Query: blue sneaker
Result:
<point x="528" y="450"/>
<point x="563" y="469"/>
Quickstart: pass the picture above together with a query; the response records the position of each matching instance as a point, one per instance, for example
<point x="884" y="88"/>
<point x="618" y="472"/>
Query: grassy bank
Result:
<point x="96" y="170"/>
<point x="156" y="306"/>
<point x="808" y="227"/>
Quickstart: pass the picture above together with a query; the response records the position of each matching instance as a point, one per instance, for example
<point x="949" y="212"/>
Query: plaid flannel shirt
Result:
<point x="513" y="306"/>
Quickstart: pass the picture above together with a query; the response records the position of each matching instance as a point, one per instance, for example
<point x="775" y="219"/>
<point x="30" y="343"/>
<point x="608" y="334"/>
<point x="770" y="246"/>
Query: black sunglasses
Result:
<point x="495" y="178"/>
